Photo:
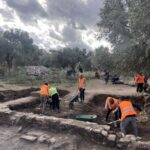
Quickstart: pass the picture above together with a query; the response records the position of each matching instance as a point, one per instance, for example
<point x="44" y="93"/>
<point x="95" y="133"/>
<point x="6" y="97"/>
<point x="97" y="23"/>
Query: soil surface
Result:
<point x="11" y="139"/>
<point x="95" y="96"/>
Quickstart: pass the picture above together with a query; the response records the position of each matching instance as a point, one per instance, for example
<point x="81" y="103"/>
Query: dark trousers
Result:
<point x="126" y="122"/>
<point x="106" y="81"/>
<point x="55" y="102"/>
<point x="108" y="113"/>
<point x="82" y="94"/>
<point x="43" y="99"/>
<point x="139" y="87"/>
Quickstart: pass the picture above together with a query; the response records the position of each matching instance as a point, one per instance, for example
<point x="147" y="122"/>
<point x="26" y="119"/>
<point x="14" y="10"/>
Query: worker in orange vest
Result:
<point x="43" y="96"/>
<point x="111" y="104"/>
<point x="140" y="79"/>
<point x="127" y="115"/>
<point x="81" y="86"/>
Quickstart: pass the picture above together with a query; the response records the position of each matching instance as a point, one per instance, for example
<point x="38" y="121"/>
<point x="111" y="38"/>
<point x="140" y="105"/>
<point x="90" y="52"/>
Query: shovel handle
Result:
<point x="113" y="122"/>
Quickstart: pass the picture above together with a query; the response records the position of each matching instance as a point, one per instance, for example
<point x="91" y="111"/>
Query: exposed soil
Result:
<point x="11" y="140"/>
<point x="94" y="104"/>
<point x="12" y="94"/>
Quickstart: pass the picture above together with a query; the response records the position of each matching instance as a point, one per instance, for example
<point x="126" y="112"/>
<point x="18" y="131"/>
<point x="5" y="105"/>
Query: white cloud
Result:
<point x="54" y="23"/>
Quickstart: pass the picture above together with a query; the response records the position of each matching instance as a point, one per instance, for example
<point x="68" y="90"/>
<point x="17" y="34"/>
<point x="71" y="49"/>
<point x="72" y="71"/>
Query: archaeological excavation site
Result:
<point x="80" y="127"/>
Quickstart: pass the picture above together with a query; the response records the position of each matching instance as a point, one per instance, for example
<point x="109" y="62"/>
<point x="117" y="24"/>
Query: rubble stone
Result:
<point x="35" y="133"/>
<point x="44" y="139"/>
<point x="53" y="140"/>
<point x="36" y="70"/>
<point x="98" y="130"/>
<point x="29" y="138"/>
<point x="131" y="137"/>
<point x="143" y="145"/>
<point x="119" y="135"/>
<point x="127" y="139"/>
<point x="20" y="129"/>
<point x="104" y="133"/>
<point x="111" y="137"/>
<point x="106" y="127"/>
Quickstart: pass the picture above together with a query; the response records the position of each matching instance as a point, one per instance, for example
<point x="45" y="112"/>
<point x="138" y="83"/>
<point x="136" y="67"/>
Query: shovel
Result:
<point x="113" y="122"/>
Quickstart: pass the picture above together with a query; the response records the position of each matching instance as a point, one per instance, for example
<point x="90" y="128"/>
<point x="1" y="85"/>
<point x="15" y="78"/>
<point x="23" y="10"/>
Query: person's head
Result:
<point x="46" y="83"/>
<point x="111" y="101"/>
<point x="81" y="76"/>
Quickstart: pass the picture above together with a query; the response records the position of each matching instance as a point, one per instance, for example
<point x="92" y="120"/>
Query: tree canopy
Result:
<point x="125" y="23"/>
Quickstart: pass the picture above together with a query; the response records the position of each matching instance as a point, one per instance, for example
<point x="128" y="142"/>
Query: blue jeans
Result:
<point x="126" y="122"/>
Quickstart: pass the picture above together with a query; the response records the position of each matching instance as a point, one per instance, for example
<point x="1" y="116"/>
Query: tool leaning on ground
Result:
<point x="110" y="123"/>
<point x="74" y="98"/>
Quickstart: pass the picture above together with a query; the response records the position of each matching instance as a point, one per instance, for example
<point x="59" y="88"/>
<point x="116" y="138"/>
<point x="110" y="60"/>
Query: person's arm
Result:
<point x="116" y="109"/>
<point x="106" y="107"/>
<point x="119" y="113"/>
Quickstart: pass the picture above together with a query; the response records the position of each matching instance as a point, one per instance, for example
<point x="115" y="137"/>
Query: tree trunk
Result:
<point x="9" y="61"/>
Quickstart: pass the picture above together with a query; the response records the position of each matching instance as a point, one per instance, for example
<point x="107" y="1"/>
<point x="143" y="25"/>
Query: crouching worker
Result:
<point x="43" y="96"/>
<point x="111" y="105"/>
<point x="55" y="98"/>
<point x="127" y="115"/>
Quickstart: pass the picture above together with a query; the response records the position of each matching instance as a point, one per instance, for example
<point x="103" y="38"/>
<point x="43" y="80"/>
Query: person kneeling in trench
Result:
<point x="55" y="98"/>
<point x="111" y="105"/>
<point x="127" y="115"/>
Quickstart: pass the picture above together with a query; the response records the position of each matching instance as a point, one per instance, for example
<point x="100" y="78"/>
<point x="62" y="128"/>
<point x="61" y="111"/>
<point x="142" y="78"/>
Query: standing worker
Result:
<point x="55" y="98"/>
<point x="106" y="76"/>
<point x="127" y="115"/>
<point x="81" y="87"/>
<point x="43" y="96"/>
<point x="140" y="79"/>
<point x="111" y="105"/>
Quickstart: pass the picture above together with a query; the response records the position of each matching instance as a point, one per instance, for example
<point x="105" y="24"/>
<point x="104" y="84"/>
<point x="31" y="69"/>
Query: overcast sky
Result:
<point x="54" y="23"/>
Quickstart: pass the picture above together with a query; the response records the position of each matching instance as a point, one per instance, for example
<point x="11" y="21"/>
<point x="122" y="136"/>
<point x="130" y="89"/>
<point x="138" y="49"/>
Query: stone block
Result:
<point x="29" y="138"/>
<point x="44" y="139"/>
<point x="53" y="140"/>
<point x="131" y="137"/>
<point x="111" y="137"/>
<point x="104" y="133"/>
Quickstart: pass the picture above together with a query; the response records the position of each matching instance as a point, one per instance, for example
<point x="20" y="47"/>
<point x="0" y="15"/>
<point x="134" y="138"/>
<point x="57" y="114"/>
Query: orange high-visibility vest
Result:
<point x="126" y="109"/>
<point x="112" y="106"/>
<point x="140" y="79"/>
<point x="44" y="90"/>
<point x="82" y="83"/>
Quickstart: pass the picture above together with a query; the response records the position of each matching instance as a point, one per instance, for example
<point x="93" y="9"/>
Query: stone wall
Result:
<point x="91" y="131"/>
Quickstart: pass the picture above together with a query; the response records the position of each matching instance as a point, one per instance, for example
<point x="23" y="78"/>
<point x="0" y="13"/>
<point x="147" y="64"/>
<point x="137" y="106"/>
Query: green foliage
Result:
<point x="126" y="25"/>
<point x="17" y="49"/>
<point x="102" y="59"/>
<point x="70" y="57"/>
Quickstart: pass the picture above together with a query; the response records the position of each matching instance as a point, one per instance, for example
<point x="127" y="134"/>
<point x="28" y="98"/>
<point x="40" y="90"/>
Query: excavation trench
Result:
<point x="8" y="95"/>
<point x="94" y="106"/>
